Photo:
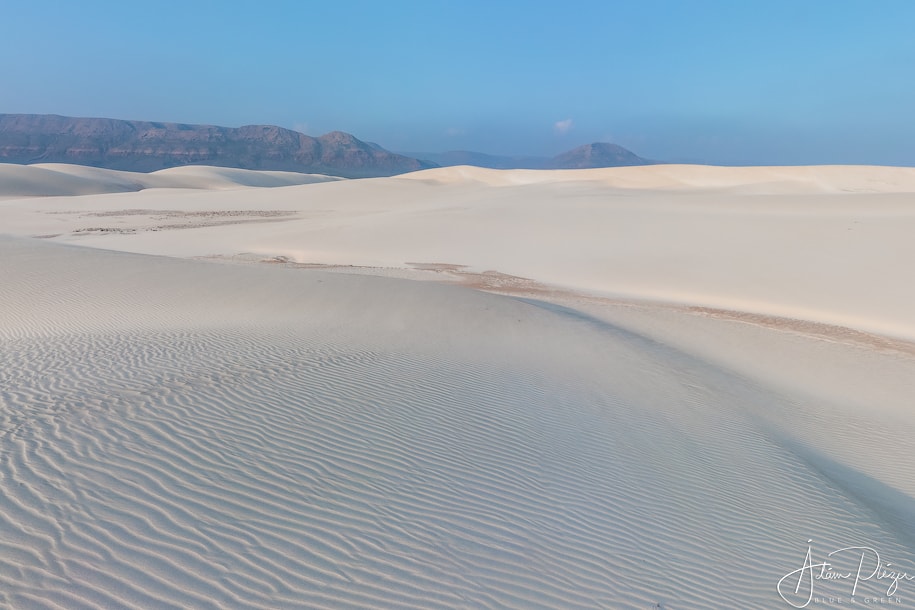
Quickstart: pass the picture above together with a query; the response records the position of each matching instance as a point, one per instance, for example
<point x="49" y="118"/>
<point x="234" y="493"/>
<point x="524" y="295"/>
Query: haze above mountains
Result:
<point x="146" y="146"/>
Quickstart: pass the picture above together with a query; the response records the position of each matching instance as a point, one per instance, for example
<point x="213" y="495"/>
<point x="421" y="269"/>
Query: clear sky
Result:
<point x="718" y="81"/>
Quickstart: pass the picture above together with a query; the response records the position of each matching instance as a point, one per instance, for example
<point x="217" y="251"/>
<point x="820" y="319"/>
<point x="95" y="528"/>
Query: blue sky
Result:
<point x="718" y="81"/>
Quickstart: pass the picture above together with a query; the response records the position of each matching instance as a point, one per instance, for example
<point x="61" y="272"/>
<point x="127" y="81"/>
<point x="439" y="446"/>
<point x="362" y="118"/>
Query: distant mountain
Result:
<point x="147" y="146"/>
<point x="598" y="154"/>
<point x="466" y="157"/>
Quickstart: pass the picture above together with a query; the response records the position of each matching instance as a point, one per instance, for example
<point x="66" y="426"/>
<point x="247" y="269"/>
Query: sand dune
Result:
<point x="178" y="434"/>
<point x="822" y="250"/>
<point x="56" y="179"/>
<point x="705" y="369"/>
<point x="821" y="178"/>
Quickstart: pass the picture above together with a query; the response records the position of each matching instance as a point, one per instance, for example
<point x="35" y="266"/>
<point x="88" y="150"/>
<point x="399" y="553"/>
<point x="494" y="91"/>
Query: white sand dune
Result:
<point x="177" y="433"/>
<point x="820" y="178"/>
<point x="55" y="179"/>
<point x="829" y="250"/>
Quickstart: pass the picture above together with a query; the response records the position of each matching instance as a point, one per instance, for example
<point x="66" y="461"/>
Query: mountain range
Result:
<point x="146" y="146"/>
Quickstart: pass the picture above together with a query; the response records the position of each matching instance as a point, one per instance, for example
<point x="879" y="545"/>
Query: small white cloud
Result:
<point x="300" y="127"/>
<point x="563" y="127"/>
<point x="454" y="131"/>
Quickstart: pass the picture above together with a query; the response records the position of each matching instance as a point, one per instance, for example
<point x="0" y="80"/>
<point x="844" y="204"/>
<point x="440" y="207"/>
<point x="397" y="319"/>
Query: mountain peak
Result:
<point x="597" y="154"/>
<point x="339" y="136"/>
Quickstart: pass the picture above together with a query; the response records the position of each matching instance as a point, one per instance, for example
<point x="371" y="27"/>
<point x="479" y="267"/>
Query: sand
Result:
<point x="825" y="249"/>
<point x="690" y="373"/>
<point x="48" y="179"/>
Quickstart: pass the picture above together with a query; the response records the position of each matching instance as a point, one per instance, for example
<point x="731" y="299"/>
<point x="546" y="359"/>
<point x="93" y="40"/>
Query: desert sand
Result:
<point x="46" y="179"/>
<point x="627" y="387"/>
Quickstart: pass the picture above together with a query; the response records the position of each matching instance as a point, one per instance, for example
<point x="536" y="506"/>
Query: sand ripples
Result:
<point x="189" y="464"/>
